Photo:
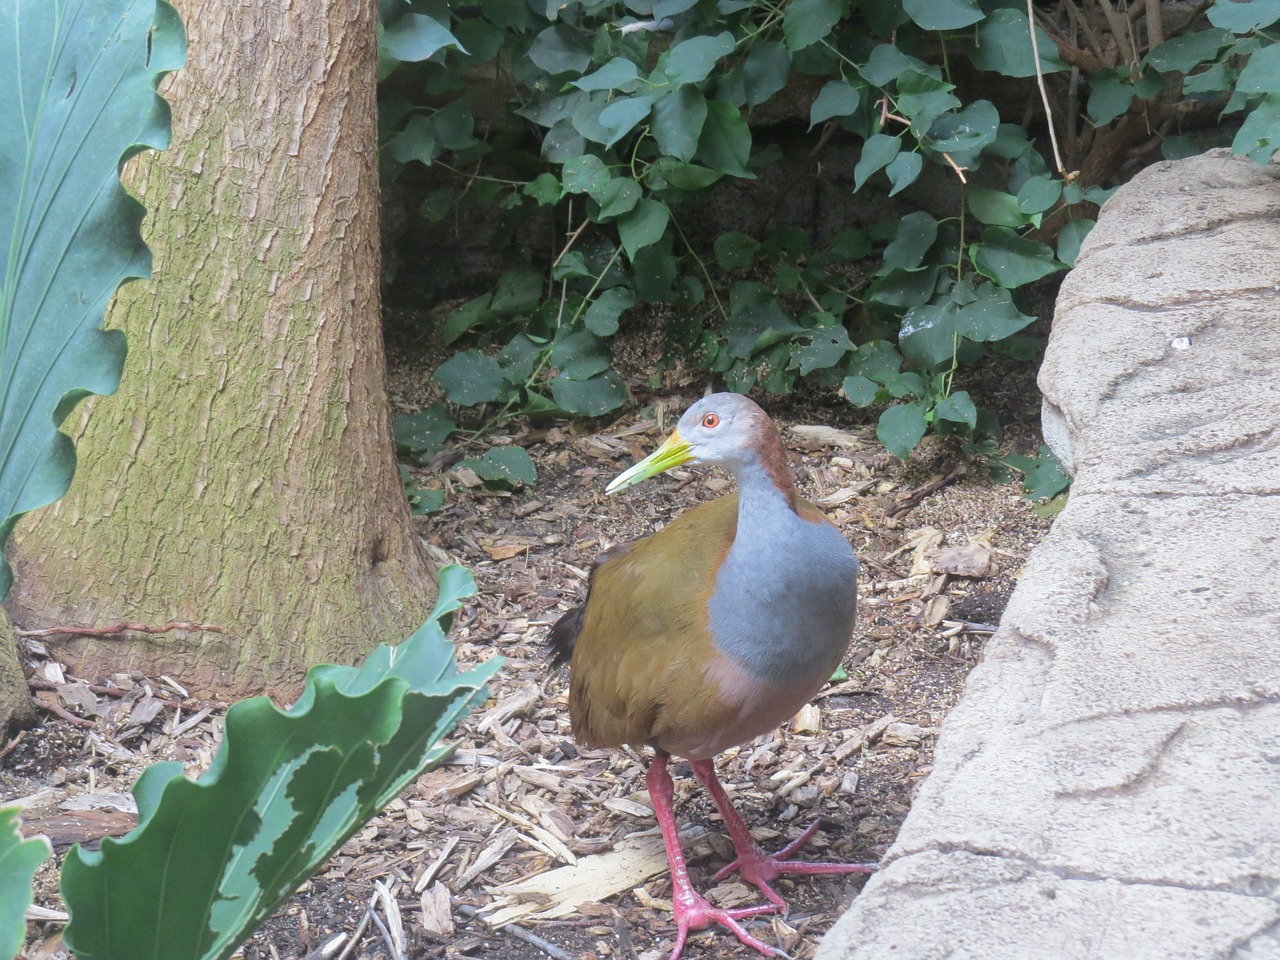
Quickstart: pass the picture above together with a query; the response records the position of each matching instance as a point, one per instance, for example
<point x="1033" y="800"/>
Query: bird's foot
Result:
<point x="762" y="868"/>
<point x="694" y="912"/>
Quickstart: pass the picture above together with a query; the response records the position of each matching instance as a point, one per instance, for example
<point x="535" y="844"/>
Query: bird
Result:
<point x="710" y="632"/>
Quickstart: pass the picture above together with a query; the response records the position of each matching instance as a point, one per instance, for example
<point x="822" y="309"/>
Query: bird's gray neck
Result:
<point x="784" y="596"/>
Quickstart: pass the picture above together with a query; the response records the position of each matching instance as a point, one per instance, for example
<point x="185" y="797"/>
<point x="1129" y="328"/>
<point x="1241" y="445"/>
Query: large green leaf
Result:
<point x="212" y="858"/>
<point x="19" y="860"/>
<point x="78" y="81"/>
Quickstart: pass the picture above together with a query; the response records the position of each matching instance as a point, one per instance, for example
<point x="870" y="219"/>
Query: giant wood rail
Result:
<point x="711" y="632"/>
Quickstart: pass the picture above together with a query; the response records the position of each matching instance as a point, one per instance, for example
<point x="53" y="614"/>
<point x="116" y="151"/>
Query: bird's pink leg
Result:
<point x="692" y="911"/>
<point x="755" y="865"/>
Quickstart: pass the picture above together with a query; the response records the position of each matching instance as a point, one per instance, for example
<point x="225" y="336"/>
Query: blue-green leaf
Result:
<point x="765" y="71"/>
<point x="590" y="398"/>
<point x="602" y="316"/>
<point x="692" y="60"/>
<point x="616" y="197"/>
<point x="877" y="153"/>
<point x="557" y="49"/>
<point x="725" y="144"/>
<point x="735" y="250"/>
<point x="827" y="347"/>
<point x="1259" y="136"/>
<point x="677" y="122"/>
<point x="415" y="36"/>
<point x="942" y="14"/>
<point x="504" y="467"/>
<point x="836" y="99"/>
<point x="469" y="378"/>
<point x="1244" y="16"/>
<point x="964" y="134"/>
<point x="1011" y="260"/>
<point x="915" y="235"/>
<point x="79" y="89"/>
<point x="423" y="434"/>
<point x="643" y="226"/>
<point x="622" y="116"/>
<point x="1262" y="73"/>
<point x="860" y="391"/>
<point x="805" y="22"/>
<point x="1070" y="237"/>
<point x="901" y="427"/>
<point x="1183" y="53"/>
<point x="993" y="207"/>
<point x="1002" y="43"/>
<point x="585" y="174"/>
<point x="618" y="74"/>
<point x="957" y="408"/>
<point x="1038" y="194"/>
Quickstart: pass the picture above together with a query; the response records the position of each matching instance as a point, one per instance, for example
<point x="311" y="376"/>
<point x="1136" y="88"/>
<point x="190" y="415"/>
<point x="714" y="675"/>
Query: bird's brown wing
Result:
<point x="643" y="646"/>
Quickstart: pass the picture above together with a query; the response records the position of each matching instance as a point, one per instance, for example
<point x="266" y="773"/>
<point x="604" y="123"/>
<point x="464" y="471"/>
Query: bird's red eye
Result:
<point x="711" y="421"/>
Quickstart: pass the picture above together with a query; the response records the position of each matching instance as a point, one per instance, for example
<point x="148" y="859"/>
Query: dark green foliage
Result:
<point x="637" y="107"/>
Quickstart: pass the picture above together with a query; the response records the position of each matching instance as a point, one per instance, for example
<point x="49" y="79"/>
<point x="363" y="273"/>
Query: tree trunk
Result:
<point x="16" y="706"/>
<point x="244" y="475"/>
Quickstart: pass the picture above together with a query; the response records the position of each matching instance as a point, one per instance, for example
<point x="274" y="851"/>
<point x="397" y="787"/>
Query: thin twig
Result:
<point x="1044" y="93"/>
<point x="386" y="935"/>
<point x="1155" y="25"/>
<point x="355" y="937"/>
<point x="13" y="744"/>
<point x="58" y="711"/>
<point x="122" y="628"/>
<point x="520" y="933"/>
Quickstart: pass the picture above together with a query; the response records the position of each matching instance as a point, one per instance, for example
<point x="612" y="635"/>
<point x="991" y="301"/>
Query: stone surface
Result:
<point x="1109" y="786"/>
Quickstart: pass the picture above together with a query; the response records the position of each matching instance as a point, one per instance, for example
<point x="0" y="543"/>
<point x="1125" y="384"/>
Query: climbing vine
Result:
<point x="621" y="119"/>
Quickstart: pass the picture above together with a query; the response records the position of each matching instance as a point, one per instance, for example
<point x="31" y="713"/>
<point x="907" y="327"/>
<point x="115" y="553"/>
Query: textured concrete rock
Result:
<point x="1109" y="786"/>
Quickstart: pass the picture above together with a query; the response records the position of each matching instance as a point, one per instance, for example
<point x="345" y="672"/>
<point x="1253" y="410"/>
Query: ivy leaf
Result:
<point x="877" y="152"/>
<point x="928" y="335"/>
<point x="563" y="142"/>
<point x="915" y="235"/>
<point x="836" y="99"/>
<point x="990" y="316"/>
<point x="754" y="313"/>
<point x="900" y="428"/>
<point x="1002" y="43"/>
<point x="545" y="189"/>
<point x="517" y="291"/>
<point x="1259" y="136"/>
<point x="1110" y="93"/>
<point x="1011" y="260"/>
<point x="765" y="71"/>
<point x="417" y="141"/>
<point x="805" y="22"/>
<point x="993" y="207"/>
<point x="1038" y="194"/>
<point x="453" y="125"/>
<point x="964" y="134"/>
<point x="557" y="50"/>
<point x="579" y="354"/>
<point x="1244" y="16"/>
<point x="506" y="467"/>
<point x="618" y="74"/>
<point x="692" y="60"/>
<point x="422" y="434"/>
<point x="1070" y="237"/>
<point x="668" y="173"/>
<point x="643" y="226"/>
<point x="957" y="408"/>
<point x="924" y="98"/>
<point x="415" y="37"/>
<point x="1182" y="54"/>
<point x="903" y="170"/>
<point x="616" y="197"/>
<point x="887" y="63"/>
<point x="602" y="316"/>
<point x="519" y="356"/>
<point x="1262" y="73"/>
<point x="590" y="398"/>
<point x="860" y="391"/>
<point x="621" y="117"/>
<point x="942" y="14"/>
<point x="725" y="144"/>
<point x="585" y="174"/>
<point x="469" y="378"/>
<point x="735" y="250"/>
<point x="677" y="122"/>
<point x="826" y="348"/>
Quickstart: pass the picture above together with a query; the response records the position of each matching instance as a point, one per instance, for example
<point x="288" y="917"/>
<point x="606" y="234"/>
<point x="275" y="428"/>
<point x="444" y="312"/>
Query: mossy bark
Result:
<point x="244" y="475"/>
<point x="16" y="706"/>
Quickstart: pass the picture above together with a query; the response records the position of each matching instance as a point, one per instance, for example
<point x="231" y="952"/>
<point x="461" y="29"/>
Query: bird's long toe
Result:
<point x="697" y="914"/>
<point x="761" y="869"/>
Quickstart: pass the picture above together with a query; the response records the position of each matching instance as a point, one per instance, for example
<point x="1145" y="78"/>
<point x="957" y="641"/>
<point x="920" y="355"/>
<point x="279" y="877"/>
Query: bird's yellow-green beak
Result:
<point x="674" y="451"/>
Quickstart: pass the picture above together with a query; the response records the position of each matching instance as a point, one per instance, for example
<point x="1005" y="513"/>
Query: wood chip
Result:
<point x="437" y="912"/>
